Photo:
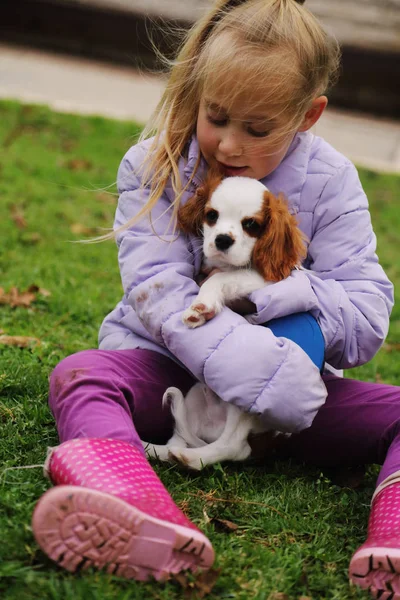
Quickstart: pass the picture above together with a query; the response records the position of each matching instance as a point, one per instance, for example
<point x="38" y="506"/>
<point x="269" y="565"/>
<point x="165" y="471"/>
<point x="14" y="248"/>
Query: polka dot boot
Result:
<point x="376" y="564"/>
<point x="110" y="511"/>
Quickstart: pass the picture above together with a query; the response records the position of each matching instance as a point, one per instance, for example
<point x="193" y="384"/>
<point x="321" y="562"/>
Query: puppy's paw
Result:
<point x="197" y="314"/>
<point x="184" y="458"/>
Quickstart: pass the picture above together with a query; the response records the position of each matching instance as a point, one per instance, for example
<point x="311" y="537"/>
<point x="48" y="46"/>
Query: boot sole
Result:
<point x="79" y="528"/>
<point x="377" y="570"/>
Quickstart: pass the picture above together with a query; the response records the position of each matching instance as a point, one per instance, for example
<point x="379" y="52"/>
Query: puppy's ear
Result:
<point x="282" y="245"/>
<point x="190" y="215"/>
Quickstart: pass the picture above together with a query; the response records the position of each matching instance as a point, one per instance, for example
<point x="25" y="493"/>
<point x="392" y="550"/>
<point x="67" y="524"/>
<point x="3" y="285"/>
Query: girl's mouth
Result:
<point x="230" y="171"/>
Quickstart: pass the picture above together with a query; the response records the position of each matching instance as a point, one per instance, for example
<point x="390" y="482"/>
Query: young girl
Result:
<point x="243" y="94"/>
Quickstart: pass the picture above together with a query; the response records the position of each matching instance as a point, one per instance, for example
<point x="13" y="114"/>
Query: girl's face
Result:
<point x="237" y="141"/>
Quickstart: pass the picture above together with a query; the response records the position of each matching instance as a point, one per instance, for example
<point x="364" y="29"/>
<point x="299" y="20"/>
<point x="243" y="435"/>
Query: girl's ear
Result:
<point x="313" y="113"/>
<point x="190" y="215"/>
<point x="281" y="247"/>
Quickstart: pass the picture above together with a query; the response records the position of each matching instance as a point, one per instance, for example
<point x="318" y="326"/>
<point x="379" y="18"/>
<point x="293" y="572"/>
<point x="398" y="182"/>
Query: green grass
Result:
<point x="296" y="529"/>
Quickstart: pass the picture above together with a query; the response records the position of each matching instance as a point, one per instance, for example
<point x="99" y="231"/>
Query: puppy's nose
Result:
<point x="223" y="242"/>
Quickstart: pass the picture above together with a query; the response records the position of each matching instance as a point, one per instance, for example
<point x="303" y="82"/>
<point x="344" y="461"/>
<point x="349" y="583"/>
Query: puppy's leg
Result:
<point x="162" y="452"/>
<point x="219" y="289"/>
<point x="156" y="451"/>
<point x="172" y="396"/>
<point x="231" y="445"/>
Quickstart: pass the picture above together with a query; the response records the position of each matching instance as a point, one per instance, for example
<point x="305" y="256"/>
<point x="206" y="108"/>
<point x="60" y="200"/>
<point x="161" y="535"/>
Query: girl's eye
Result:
<point x="219" y="122"/>
<point x="251" y="226"/>
<point x="212" y="217"/>
<point x="258" y="134"/>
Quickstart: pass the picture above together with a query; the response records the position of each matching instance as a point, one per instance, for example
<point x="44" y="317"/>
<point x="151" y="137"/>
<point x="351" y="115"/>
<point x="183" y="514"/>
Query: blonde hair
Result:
<point x="275" y="47"/>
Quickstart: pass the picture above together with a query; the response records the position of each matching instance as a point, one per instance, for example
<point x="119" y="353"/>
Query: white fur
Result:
<point x="235" y="199"/>
<point x="207" y="429"/>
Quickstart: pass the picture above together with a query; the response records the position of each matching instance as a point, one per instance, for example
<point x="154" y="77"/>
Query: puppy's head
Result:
<point x="243" y="224"/>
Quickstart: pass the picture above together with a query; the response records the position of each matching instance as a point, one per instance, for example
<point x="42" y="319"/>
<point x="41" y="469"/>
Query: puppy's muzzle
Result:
<point x="223" y="242"/>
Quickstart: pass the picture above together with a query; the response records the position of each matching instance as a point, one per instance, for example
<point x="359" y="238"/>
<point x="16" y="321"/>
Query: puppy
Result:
<point x="250" y="237"/>
<point x="248" y="234"/>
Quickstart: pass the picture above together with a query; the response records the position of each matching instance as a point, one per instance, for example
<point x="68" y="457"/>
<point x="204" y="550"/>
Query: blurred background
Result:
<point x="107" y="45"/>
<point x="118" y="30"/>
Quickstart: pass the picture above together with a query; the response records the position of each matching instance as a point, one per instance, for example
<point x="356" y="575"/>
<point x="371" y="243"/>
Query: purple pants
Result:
<point x="117" y="394"/>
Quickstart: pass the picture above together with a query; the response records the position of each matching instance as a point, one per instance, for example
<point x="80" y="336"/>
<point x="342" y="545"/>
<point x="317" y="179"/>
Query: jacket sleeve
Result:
<point x="344" y="287"/>
<point x="244" y="364"/>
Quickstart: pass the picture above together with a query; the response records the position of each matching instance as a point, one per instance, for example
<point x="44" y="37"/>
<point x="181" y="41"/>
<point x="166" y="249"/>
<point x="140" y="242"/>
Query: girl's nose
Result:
<point x="230" y="144"/>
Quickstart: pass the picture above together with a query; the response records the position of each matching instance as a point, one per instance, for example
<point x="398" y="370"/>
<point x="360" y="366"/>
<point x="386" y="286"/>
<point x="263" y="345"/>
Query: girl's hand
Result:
<point x="242" y="306"/>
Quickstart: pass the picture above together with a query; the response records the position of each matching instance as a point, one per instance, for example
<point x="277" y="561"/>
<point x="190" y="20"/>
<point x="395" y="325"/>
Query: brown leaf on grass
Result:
<point x="107" y="198"/>
<point x="31" y="238"/>
<point x="224" y="526"/>
<point x="210" y="497"/>
<point x="200" y="586"/>
<point x="184" y="506"/>
<point x="80" y="229"/>
<point x="278" y="596"/>
<point x="205" y="516"/>
<point x="15" y="297"/>
<point x="79" y="164"/>
<point x="43" y="292"/>
<point x="20" y="341"/>
<point x="17" y="215"/>
<point x="378" y="378"/>
<point x="391" y="347"/>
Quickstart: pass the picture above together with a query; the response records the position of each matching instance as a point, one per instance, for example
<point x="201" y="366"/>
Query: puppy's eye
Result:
<point x="251" y="226"/>
<point x="212" y="217"/>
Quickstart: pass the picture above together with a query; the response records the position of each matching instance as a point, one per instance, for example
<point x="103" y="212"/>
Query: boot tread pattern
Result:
<point x="85" y="528"/>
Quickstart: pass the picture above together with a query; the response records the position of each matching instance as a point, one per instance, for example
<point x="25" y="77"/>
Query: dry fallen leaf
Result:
<point x="278" y="596"/>
<point x="44" y="292"/>
<point x="79" y="164"/>
<point x="80" y="229"/>
<point x="224" y="526"/>
<point x="20" y="341"/>
<point x="15" y="297"/>
<point x="17" y="215"/>
<point x="30" y="239"/>
<point x="107" y="198"/>
<point x="391" y="347"/>
<point x="200" y="586"/>
<point x="184" y="506"/>
<point x="205" y="516"/>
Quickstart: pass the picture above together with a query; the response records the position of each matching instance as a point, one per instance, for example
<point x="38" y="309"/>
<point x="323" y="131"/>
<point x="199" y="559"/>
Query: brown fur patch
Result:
<point x="191" y="214"/>
<point x="281" y="247"/>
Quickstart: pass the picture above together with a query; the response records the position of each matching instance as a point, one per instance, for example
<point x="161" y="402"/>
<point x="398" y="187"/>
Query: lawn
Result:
<point x="282" y="531"/>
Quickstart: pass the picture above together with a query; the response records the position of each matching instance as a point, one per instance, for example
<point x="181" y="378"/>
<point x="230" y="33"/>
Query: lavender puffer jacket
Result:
<point x="342" y="285"/>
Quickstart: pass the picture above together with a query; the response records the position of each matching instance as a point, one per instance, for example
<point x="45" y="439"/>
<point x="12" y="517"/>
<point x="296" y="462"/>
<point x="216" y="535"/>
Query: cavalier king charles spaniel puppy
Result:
<point x="252" y="240"/>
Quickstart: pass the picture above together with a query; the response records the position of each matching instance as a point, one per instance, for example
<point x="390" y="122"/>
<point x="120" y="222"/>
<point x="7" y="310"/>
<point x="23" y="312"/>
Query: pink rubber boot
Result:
<point x="110" y="511"/>
<point x="376" y="564"/>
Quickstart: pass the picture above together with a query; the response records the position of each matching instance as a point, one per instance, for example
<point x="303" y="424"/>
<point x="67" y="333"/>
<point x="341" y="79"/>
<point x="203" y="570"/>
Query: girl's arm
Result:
<point x="344" y="287"/>
<point x="244" y="364"/>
